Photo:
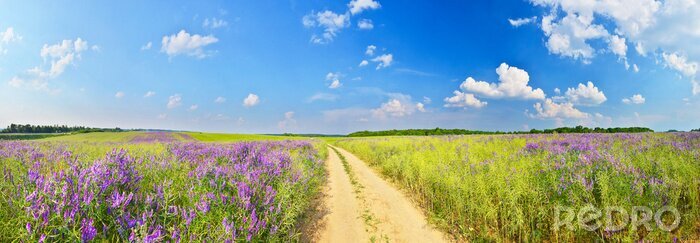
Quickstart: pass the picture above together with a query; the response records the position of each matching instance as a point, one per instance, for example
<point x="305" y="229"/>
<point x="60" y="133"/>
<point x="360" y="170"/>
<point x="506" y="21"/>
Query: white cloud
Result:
<point x="174" y="101"/>
<point x="363" y="63"/>
<point x="251" y="100"/>
<point x="635" y="99"/>
<point x="657" y="27"/>
<point x="568" y="36"/>
<point x="214" y="23"/>
<point x="513" y="84"/>
<point x="522" y="21"/>
<point x="335" y="84"/>
<point x="119" y="95"/>
<point x="162" y="116"/>
<point x="420" y="107"/>
<point x="640" y="49"/>
<point x="357" y="6"/>
<point x="553" y="110"/>
<point x="335" y="80"/>
<point x="635" y="68"/>
<point x="557" y="91"/>
<point x="680" y="63"/>
<point x="370" y="50"/>
<point x="6" y="37"/>
<point x="687" y="68"/>
<point x="427" y="100"/>
<point x="588" y="95"/>
<point x="63" y="54"/>
<point x="365" y="24"/>
<point x="220" y="100"/>
<point x="9" y="35"/>
<point x="183" y="43"/>
<point x="464" y="100"/>
<point x="288" y="122"/>
<point x="193" y="108"/>
<point x="393" y="108"/>
<point x="60" y="56"/>
<point x="384" y="60"/>
<point x="331" y="22"/>
<point x="149" y="94"/>
<point x="147" y="46"/>
<point x="618" y="46"/>
<point x="322" y="96"/>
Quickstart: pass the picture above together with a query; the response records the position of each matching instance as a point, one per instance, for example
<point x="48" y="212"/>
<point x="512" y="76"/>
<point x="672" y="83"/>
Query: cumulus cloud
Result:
<point x="7" y="37"/>
<point x="149" y="94"/>
<point x="193" y="108"/>
<point x="335" y="80"/>
<point x="251" y="100"/>
<point x="219" y="100"/>
<point x="398" y="105"/>
<point x="513" y="84"/>
<point x="174" y="101"/>
<point x="635" y="99"/>
<point x="420" y="107"/>
<point x="60" y="56"/>
<point x="363" y="63"/>
<point x="681" y="64"/>
<point x="365" y="24"/>
<point x="618" y="46"/>
<point x="331" y="22"/>
<point x="184" y="43"/>
<point x="687" y="68"/>
<point x="463" y="100"/>
<point x="358" y="6"/>
<point x="587" y="95"/>
<point x="553" y="110"/>
<point x="370" y="50"/>
<point x="653" y="26"/>
<point x="384" y="61"/>
<point x="522" y="21"/>
<point x="214" y="23"/>
<point x="393" y="108"/>
<point x="119" y="95"/>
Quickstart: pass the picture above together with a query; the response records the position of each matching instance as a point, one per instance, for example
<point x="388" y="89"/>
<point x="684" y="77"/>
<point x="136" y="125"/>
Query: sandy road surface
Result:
<point x="371" y="209"/>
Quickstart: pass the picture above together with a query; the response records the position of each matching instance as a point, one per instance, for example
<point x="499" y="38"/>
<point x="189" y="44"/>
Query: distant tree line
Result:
<point x="582" y="129"/>
<point x="18" y="128"/>
<point x="695" y="130"/>
<point x="440" y="131"/>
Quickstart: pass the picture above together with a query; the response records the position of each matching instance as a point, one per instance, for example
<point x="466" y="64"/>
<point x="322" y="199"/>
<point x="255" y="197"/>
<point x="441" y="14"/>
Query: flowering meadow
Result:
<point x="156" y="188"/>
<point x="508" y="187"/>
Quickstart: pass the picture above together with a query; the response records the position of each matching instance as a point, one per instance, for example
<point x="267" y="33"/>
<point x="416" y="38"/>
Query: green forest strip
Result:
<point x="441" y="131"/>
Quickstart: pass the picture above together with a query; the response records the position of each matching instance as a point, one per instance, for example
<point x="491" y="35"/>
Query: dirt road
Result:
<point x="362" y="207"/>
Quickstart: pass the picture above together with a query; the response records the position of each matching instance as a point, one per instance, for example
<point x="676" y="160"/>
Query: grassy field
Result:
<point x="508" y="187"/>
<point x="133" y="186"/>
<point x="28" y="136"/>
<point x="224" y="137"/>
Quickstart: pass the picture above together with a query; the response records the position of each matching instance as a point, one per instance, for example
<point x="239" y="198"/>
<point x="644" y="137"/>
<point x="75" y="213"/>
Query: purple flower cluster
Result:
<point x="214" y="192"/>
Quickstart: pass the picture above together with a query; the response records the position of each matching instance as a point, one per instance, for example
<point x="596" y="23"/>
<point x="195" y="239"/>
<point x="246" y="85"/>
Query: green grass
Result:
<point x="28" y="136"/>
<point x="95" y="137"/>
<point x="225" y="137"/>
<point x="492" y="188"/>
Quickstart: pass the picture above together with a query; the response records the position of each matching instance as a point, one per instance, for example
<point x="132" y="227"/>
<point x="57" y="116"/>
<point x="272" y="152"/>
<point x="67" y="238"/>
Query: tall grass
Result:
<point x="507" y="187"/>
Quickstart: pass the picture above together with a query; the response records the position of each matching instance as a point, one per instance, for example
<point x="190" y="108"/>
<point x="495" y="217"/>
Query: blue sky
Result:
<point x="338" y="67"/>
